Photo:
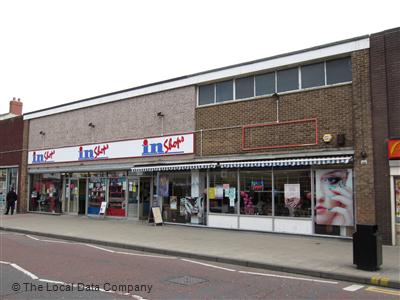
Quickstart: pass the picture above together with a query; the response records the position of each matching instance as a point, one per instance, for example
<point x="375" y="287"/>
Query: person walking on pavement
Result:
<point x="11" y="198"/>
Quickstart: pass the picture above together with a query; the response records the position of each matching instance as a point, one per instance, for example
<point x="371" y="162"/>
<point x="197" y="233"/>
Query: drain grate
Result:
<point x="187" y="280"/>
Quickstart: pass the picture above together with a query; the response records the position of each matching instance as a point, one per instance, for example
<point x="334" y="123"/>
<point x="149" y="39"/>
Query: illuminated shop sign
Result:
<point x="156" y="146"/>
<point x="394" y="149"/>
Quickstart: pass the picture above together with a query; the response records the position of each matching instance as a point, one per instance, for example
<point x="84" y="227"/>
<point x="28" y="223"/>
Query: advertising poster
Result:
<point x="173" y="203"/>
<point x="397" y="196"/>
<point x="292" y="195"/>
<point x="232" y="196"/>
<point x="334" y="197"/>
<point x="164" y="186"/>
<point x="219" y="192"/>
<point x="211" y="193"/>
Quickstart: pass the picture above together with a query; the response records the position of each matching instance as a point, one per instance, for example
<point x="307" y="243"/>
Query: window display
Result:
<point x="222" y="191"/>
<point x="97" y="194"/>
<point x="46" y="193"/>
<point x="397" y="197"/>
<point x="292" y="193"/>
<point x="178" y="204"/>
<point x="117" y="197"/>
<point x="256" y="193"/>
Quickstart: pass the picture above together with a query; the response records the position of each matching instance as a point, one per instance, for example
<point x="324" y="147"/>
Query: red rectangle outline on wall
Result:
<point x="313" y="120"/>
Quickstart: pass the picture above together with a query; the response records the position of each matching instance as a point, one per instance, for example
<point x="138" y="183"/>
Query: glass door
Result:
<point x="72" y="206"/>
<point x="133" y="198"/>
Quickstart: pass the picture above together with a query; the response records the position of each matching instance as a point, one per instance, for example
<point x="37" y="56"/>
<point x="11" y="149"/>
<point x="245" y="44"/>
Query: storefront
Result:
<point x="394" y="164"/>
<point x="8" y="180"/>
<point x="57" y="187"/>
<point x="300" y="196"/>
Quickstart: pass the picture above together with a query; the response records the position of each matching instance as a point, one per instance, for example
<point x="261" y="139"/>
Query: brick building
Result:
<point x="13" y="155"/>
<point x="281" y="144"/>
<point x="385" y="93"/>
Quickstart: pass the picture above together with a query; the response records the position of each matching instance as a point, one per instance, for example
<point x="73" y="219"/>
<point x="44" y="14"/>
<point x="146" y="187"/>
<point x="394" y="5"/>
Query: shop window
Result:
<point x="224" y="91"/>
<point x="288" y="80"/>
<point x="265" y="84"/>
<point x="222" y="192"/>
<point x="117" y="197"/>
<point x="180" y="204"/>
<point x="207" y="94"/>
<point x="292" y="193"/>
<point x="96" y="194"/>
<point x="45" y="193"/>
<point x="338" y="70"/>
<point x="312" y="75"/>
<point x="244" y="87"/>
<point x="397" y="199"/>
<point x="3" y="188"/>
<point x="256" y="193"/>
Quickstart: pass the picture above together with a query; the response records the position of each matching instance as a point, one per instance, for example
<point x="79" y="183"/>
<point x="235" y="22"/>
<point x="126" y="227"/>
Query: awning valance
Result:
<point x="174" y="167"/>
<point x="289" y="162"/>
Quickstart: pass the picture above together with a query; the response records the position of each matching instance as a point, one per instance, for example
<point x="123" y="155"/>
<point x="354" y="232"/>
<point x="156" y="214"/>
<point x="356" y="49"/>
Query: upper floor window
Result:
<point x="312" y="75"/>
<point x="338" y="70"/>
<point x="288" y="80"/>
<point x="224" y="91"/>
<point x="306" y="76"/>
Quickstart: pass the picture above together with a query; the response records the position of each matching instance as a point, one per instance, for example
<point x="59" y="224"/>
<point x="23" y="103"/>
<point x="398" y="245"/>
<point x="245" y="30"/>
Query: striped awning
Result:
<point x="174" y="167"/>
<point x="288" y="162"/>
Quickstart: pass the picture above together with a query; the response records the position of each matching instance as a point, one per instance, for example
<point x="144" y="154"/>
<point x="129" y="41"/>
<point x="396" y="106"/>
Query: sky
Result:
<point x="58" y="51"/>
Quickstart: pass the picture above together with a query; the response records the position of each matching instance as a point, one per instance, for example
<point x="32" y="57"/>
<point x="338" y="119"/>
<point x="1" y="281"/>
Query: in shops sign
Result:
<point x="155" y="146"/>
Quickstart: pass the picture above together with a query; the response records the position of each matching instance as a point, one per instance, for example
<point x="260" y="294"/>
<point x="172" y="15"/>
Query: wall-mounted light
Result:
<point x="160" y="114"/>
<point x="42" y="133"/>
<point x="91" y="125"/>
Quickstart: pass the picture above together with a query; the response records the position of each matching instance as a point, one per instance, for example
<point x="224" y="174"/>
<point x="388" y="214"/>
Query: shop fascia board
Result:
<point x="127" y="166"/>
<point x="295" y="58"/>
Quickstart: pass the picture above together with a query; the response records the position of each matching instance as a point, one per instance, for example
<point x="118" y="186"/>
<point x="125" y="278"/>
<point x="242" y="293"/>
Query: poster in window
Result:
<point x="211" y="193"/>
<point x="173" y="203"/>
<point x="219" y="191"/>
<point x="232" y="196"/>
<point x="292" y="195"/>
<point x="397" y="197"/>
<point x="334" y="195"/>
<point x="164" y="186"/>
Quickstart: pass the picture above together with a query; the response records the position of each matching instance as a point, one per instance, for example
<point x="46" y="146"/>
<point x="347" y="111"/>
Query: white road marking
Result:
<point x="33" y="276"/>
<point x="353" y="288"/>
<point x="208" y="265"/>
<point x="53" y="241"/>
<point x="289" y="277"/>
<point x="4" y="262"/>
<point x="146" y="255"/>
<point x="99" y="248"/>
<point x="31" y="237"/>
<point x="52" y="281"/>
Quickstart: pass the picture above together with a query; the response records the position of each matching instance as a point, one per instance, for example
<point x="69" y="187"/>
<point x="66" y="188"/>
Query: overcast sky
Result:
<point x="57" y="51"/>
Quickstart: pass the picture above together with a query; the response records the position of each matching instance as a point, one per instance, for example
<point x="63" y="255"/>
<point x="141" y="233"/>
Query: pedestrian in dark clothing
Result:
<point x="11" y="198"/>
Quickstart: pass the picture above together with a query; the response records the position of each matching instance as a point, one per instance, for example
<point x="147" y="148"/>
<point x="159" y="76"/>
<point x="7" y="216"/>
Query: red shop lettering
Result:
<point x="169" y="144"/>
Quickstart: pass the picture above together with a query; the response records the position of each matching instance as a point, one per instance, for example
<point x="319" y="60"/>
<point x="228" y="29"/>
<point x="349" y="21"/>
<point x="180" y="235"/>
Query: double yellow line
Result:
<point x="384" y="291"/>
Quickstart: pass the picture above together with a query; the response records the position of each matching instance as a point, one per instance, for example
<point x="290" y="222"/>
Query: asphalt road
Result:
<point x="39" y="268"/>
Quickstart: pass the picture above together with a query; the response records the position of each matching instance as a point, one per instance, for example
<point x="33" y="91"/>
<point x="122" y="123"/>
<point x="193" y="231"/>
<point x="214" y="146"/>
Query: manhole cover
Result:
<point x="187" y="280"/>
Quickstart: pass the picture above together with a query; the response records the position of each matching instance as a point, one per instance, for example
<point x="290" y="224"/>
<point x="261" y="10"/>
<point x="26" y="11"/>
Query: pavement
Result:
<point x="313" y="256"/>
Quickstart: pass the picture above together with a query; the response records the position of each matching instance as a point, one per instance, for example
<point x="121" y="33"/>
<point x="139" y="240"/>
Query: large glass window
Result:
<point x="265" y="84"/>
<point x="292" y="193"/>
<point x="312" y="75"/>
<point x="288" y="80"/>
<point x="224" y="91"/>
<point x="180" y="204"/>
<point x="244" y="87"/>
<point x="206" y="94"/>
<point x="222" y="192"/>
<point x="45" y="193"/>
<point x="96" y="194"/>
<point x="117" y="197"/>
<point x="256" y="193"/>
<point x="338" y="70"/>
<point x="3" y="188"/>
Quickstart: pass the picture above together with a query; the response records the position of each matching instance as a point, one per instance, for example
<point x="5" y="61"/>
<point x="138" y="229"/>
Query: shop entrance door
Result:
<point x="133" y="198"/>
<point x="72" y="197"/>
<point x="82" y="197"/>
<point x="145" y="196"/>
